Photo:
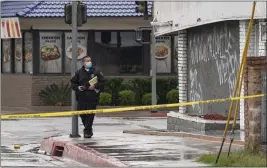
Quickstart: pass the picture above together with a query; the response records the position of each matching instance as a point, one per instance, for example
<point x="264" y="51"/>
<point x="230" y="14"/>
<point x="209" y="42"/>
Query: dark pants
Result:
<point x="87" y="119"/>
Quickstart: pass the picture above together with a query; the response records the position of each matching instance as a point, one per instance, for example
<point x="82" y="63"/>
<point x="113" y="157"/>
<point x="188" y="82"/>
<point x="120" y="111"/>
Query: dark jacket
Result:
<point x="81" y="78"/>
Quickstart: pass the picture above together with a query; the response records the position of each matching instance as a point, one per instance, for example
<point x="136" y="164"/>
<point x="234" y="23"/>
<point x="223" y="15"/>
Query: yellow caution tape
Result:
<point x="111" y="110"/>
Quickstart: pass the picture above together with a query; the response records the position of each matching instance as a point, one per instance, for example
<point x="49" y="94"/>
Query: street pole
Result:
<point x="75" y="128"/>
<point x="154" y="69"/>
<point x="266" y="27"/>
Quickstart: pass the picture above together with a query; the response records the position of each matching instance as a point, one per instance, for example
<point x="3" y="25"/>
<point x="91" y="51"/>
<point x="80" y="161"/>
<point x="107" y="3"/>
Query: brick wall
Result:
<point x="40" y="82"/>
<point x="182" y="68"/>
<point x="16" y="90"/>
<point x="259" y="64"/>
<point x="256" y="48"/>
<point x="22" y="90"/>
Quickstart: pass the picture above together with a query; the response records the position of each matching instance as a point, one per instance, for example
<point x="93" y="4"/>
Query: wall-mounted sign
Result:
<point x="50" y="52"/>
<point x="28" y="52"/>
<point x="6" y="51"/>
<point x="82" y="45"/>
<point x="82" y="49"/>
<point x="163" y="54"/>
<point x="10" y="28"/>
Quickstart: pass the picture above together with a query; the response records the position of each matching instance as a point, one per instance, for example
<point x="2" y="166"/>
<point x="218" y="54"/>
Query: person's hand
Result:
<point x="92" y="87"/>
<point x="81" y="88"/>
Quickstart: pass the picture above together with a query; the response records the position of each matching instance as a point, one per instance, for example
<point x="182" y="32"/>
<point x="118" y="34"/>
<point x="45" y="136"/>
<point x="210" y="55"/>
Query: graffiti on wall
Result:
<point x="213" y="61"/>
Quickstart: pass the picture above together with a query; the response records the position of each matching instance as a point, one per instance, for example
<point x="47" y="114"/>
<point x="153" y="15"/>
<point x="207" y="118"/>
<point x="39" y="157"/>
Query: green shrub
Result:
<point x="105" y="98"/>
<point x="147" y="99"/>
<point x="113" y="86"/>
<point x="126" y="86"/>
<point x="54" y="95"/>
<point x="127" y="97"/>
<point x="140" y="86"/>
<point x="163" y="86"/>
<point x="173" y="96"/>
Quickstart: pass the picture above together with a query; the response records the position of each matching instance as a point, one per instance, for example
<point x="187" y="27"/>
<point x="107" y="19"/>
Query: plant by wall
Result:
<point x="113" y="86"/>
<point x="105" y="99"/>
<point x="55" y="95"/>
<point x="173" y="96"/>
<point x="127" y="97"/>
<point x="147" y="99"/>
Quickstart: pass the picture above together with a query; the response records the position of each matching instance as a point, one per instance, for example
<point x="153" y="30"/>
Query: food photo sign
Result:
<point x="82" y="49"/>
<point x="163" y="54"/>
<point x="18" y="55"/>
<point x="28" y="52"/>
<point x="6" y="51"/>
<point x="51" y="54"/>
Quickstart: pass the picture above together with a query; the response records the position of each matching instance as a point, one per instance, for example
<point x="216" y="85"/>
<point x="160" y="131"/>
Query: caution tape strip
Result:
<point x="111" y="110"/>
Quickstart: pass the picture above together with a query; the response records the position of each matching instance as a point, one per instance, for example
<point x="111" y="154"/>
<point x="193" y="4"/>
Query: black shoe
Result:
<point x="88" y="135"/>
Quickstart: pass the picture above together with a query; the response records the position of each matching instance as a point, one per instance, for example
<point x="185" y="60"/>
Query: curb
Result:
<point x="79" y="153"/>
<point x="185" y="135"/>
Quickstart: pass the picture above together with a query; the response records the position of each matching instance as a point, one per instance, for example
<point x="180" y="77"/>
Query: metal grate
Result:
<point x="264" y="108"/>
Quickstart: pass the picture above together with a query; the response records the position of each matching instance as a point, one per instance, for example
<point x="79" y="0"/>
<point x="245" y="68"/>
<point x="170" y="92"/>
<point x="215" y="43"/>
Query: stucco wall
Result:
<point x="185" y="14"/>
<point x="213" y="62"/>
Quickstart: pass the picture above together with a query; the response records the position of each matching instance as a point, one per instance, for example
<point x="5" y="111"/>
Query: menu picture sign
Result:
<point x="50" y="52"/>
<point x="6" y="55"/>
<point x="27" y="55"/>
<point x="163" y="54"/>
<point x="81" y="47"/>
<point x="18" y="55"/>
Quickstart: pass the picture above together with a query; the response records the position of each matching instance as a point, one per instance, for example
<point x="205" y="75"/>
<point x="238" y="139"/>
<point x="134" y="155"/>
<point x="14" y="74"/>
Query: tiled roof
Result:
<point x="11" y="8"/>
<point x="95" y="8"/>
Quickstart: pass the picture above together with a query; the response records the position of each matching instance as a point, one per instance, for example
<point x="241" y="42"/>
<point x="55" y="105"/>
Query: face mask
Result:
<point x="88" y="65"/>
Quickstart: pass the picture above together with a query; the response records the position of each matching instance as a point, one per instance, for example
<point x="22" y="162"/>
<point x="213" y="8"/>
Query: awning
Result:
<point x="10" y="28"/>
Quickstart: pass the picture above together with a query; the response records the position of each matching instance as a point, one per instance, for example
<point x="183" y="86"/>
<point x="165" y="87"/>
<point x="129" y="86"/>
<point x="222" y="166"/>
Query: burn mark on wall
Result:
<point x="213" y="62"/>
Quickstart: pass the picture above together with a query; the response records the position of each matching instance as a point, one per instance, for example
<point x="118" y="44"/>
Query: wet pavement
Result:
<point x="158" y="125"/>
<point x="134" y="150"/>
<point x="145" y="150"/>
<point x="26" y="158"/>
<point x="28" y="134"/>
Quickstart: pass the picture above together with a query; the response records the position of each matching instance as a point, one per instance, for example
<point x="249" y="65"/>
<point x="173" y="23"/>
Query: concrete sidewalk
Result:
<point x="110" y="147"/>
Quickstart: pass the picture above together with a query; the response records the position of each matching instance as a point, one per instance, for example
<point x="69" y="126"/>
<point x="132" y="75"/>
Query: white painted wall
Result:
<point x="185" y="14"/>
<point x="182" y="69"/>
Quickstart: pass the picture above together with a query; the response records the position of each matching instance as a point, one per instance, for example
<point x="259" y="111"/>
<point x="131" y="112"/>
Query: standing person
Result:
<point x="87" y="95"/>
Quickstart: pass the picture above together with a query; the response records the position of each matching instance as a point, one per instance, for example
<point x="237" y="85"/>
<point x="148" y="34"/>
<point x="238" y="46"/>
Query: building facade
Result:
<point x="210" y="41"/>
<point x="43" y="55"/>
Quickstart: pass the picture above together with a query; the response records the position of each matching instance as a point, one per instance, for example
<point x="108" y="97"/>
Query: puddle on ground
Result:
<point x="132" y="119"/>
<point x="108" y="124"/>
<point x="125" y="154"/>
<point x="122" y="151"/>
<point x="88" y="143"/>
<point x="108" y="146"/>
<point x="34" y="150"/>
<point x="149" y="158"/>
<point x="5" y="149"/>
